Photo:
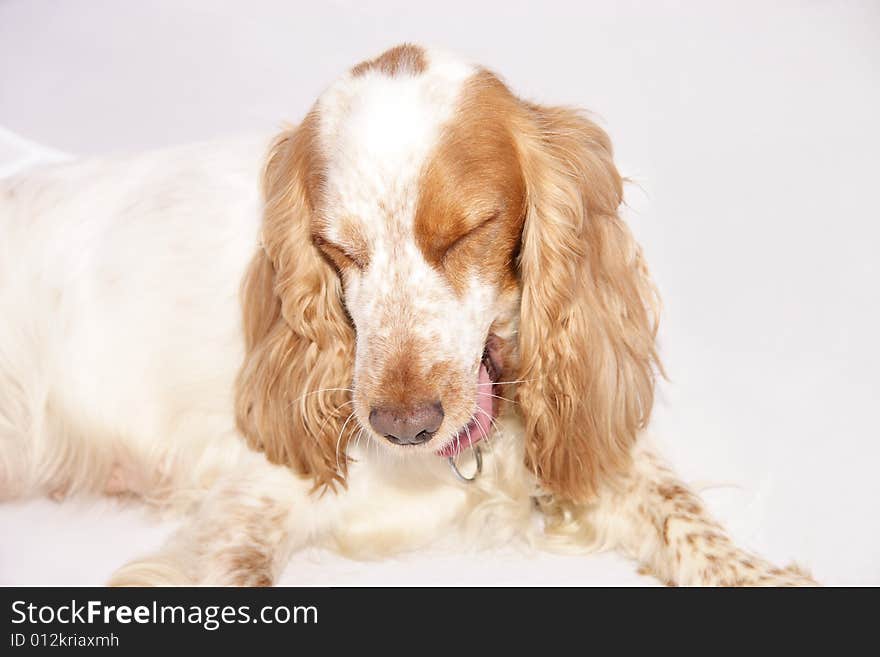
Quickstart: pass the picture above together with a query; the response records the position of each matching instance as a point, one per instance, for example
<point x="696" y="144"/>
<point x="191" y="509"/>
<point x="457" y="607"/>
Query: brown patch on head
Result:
<point x="405" y="59"/>
<point x="472" y="195"/>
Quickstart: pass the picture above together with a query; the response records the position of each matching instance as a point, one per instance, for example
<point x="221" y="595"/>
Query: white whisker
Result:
<point x="489" y="437"/>
<point x="498" y="383"/>
<point x="494" y="425"/>
<point x="339" y="439"/>
<point x="317" y="392"/>
<point x="330" y="416"/>
<point x="507" y="399"/>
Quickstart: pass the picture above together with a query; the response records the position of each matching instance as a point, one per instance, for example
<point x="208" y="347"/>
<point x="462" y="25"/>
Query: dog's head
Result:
<point x="433" y="245"/>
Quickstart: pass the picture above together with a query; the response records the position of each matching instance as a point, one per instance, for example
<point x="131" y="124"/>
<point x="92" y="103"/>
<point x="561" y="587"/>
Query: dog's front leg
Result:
<point x="241" y="533"/>
<point x="651" y="516"/>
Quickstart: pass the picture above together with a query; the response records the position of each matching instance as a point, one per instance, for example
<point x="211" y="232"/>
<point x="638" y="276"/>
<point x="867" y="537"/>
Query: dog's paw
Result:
<point x="150" y="573"/>
<point x="791" y="575"/>
<point x="752" y="573"/>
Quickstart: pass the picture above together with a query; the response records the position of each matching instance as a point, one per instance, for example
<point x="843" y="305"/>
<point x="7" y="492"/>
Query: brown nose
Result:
<point x="409" y="426"/>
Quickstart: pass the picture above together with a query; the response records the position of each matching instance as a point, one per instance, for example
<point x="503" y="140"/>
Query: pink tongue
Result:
<point x="480" y="425"/>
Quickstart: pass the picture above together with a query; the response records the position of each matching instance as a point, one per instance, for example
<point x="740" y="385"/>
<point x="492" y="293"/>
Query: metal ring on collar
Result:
<point x="468" y="480"/>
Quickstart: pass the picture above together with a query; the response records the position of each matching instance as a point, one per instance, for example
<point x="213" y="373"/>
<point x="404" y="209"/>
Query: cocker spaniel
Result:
<point x="430" y="321"/>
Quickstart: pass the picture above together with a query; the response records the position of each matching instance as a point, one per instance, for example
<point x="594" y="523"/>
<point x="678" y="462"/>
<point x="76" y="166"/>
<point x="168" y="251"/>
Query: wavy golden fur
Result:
<point x="588" y="310"/>
<point x="296" y="377"/>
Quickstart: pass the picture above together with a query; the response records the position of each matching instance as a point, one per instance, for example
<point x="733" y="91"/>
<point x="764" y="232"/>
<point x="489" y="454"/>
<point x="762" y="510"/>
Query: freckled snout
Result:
<point x="407" y="426"/>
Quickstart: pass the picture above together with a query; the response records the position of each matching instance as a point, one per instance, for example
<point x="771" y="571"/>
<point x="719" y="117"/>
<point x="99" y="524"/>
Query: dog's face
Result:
<point x="421" y="209"/>
<point x="429" y="237"/>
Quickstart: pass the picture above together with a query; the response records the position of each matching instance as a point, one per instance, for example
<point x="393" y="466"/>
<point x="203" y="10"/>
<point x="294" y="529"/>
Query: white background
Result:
<point x="750" y="131"/>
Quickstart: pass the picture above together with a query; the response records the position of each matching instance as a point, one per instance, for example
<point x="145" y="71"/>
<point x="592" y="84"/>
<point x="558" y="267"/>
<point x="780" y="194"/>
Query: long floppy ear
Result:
<point x="589" y="311"/>
<point x="292" y="389"/>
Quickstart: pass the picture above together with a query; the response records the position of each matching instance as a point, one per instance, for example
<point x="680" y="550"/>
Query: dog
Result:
<point x="424" y="319"/>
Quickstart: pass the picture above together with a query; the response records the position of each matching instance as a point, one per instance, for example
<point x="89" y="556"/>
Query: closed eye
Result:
<point x="339" y="255"/>
<point x="484" y="227"/>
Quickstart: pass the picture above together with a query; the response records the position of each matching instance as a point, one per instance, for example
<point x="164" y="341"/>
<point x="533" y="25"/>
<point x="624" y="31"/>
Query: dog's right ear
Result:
<point x="292" y="389"/>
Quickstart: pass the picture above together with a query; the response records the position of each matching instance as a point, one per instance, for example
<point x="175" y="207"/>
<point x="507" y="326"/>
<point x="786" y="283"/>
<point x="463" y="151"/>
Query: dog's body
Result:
<point x="122" y="345"/>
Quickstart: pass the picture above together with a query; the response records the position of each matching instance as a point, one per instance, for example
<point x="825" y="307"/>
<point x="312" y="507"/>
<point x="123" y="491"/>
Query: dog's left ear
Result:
<point x="588" y="314"/>
<point x="293" y="387"/>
